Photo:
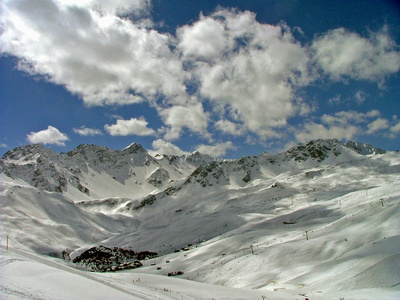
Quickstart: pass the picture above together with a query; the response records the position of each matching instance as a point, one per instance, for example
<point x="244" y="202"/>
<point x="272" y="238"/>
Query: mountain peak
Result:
<point x="198" y="158"/>
<point x="28" y="152"/>
<point x="134" y="148"/>
<point x="317" y="149"/>
<point x="321" y="149"/>
<point x="89" y="150"/>
<point x="364" y="148"/>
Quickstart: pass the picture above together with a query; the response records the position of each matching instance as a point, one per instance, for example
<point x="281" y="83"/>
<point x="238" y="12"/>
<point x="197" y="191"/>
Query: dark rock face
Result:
<point x="247" y="177"/>
<point x="364" y="149"/>
<point x="208" y="174"/>
<point x="103" y="259"/>
<point x="318" y="149"/>
<point x="158" y="177"/>
<point x="177" y="273"/>
<point x="149" y="200"/>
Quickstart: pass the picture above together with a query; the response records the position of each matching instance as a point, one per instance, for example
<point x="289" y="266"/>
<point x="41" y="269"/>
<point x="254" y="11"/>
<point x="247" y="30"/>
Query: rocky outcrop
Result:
<point x="103" y="259"/>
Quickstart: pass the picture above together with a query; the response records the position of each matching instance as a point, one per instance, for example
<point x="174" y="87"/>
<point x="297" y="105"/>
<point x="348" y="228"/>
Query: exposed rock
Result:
<point x="103" y="259"/>
<point x="159" y="177"/>
<point x="44" y="169"/>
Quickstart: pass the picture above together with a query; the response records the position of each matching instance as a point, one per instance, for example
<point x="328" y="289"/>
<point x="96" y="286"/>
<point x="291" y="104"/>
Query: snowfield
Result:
<point x="320" y="221"/>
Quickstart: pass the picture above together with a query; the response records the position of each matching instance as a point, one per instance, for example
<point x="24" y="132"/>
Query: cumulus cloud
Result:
<point x="312" y="130"/>
<point x="351" y="116"/>
<point x="225" y="69"/>
<point x="49" y="136"/>
<point x="132" y="126"/>
<point x="179" y="117"/>
<point x="342" y="125"/>
<point x="138" y="7"/>
<point x="255" y="71"/>
<point x="377" y="125"/>
<point x="100" y="56"/>
<point x="205" y="39"/>
<point x="216" y="150"/>
<point x="112" y="7"/>
<point x="229" y="127"/>
<point x="163" y="147"/>
<point x="343" y="54"/>
<point x="84" y="131"/>
<point x="395" y="129"/>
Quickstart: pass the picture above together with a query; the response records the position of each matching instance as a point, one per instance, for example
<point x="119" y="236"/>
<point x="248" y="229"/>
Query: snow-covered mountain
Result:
<point x="321" y="219"/>
<point x="97" y="171"/>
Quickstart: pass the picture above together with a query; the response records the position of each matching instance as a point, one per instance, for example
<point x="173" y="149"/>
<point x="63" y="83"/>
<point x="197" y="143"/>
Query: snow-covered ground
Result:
<point x="28" y="276"/>
<point x="266" y="227"/>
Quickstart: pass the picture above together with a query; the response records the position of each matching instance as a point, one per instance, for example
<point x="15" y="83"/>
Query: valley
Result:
<point x="319" y="221"/>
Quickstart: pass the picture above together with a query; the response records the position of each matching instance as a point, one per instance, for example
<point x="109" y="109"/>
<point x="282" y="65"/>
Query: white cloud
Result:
<point x="129" y="127"/>
<point x="312" y="131"/>
<point x="99" y="56"/>
<point x="377" y="125"/>
<point x="51" y="136"/>
<point x="228" y="64"/>
<point x="256" y="72"/>
<point x="351" y="116"/>
<point x="360" y="97"/>
<point x="163" y="147"/>
<point x="342" y="125"/>
<point x="205" y="39"/>
<point x="112" y="7"/>
<point x="395" y="129"/>
<point x="84" y="131"/>
<point x="178" y="117"/>
<point x="344" y="54"/>
<point x="335" y="100"/>
<point x="137" y="7"/>
<point x="229" y="127"/>
<point x="3" y="145"/>
<point x="216" y="150"/>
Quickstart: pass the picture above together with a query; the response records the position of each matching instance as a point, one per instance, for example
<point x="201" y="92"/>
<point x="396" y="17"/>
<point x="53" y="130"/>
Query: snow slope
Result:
<point x="28" y="276"/>
<point x="319" y="221"/>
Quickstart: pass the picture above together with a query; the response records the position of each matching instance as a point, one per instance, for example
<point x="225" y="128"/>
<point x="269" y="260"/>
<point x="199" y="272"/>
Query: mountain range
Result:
<point x="320" y="220"/>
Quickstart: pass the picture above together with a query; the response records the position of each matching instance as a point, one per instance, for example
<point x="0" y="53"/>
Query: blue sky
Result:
<point x="226" y="78"/>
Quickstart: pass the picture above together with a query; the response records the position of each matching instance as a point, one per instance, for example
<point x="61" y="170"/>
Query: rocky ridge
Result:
<point x="104" y="259"/>
<point x="44" y="169"/>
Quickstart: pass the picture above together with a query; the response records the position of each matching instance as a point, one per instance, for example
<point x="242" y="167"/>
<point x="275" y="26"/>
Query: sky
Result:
<point x="226" y="78"/>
